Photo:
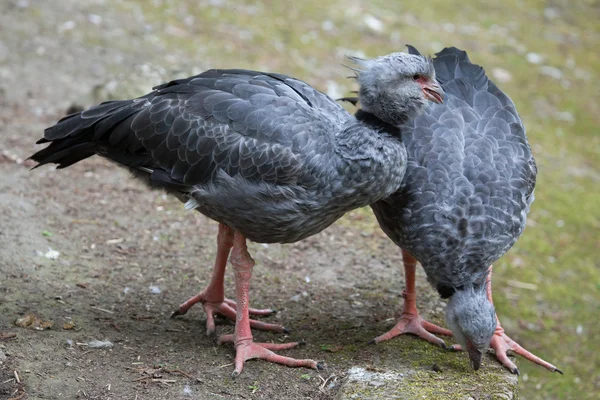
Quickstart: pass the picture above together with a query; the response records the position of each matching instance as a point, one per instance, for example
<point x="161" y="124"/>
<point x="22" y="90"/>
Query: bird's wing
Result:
<point x="254" y="124"/>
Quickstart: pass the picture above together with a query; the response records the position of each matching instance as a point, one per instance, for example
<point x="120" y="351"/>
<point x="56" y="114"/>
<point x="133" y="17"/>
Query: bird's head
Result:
<point x="396" y="87"/>
<point x="472" y="319"/>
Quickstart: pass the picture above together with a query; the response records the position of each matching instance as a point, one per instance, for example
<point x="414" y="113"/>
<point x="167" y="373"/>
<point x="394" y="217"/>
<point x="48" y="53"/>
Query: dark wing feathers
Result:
<point x="470" y="177"/>
<point x="242" y="122"/>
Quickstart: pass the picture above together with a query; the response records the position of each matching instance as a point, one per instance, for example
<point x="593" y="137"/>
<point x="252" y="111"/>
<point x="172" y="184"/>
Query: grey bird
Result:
<point x="267" y="156"/>
<point x="463" y="203"/>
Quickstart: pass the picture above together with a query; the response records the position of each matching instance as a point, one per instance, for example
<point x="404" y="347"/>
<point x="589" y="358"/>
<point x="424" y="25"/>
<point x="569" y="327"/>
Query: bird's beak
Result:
<point x="433" y="92"/>
<point x="475" y="355"/>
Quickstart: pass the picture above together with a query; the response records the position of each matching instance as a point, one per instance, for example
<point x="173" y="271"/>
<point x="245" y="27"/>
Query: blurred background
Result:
<point x="542" y="53"/>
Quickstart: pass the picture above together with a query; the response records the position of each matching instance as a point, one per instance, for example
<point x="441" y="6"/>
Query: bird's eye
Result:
<point x="416" y="77"/>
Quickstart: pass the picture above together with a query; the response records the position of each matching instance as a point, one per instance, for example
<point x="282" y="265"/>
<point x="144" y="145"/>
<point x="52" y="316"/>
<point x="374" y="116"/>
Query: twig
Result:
<point x="178" y="371"/>
<point x="522" y="285"/>
<point x="17" y="378"/>
<point x="19" y="397"/>
<point x="151" y="379"/>
<point x="226" y="365"/>
<point x="326" y="380"/>
<point x="141" y="317"/>
<point x="5" y="336"/>
<point x="102" y="309"/>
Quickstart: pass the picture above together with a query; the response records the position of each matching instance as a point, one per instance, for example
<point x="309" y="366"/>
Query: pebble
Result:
<point x="100" y="344"/>
<point x="2" y="357"/>
<point x="373" y="23"/>
<point x="534" y="58"/>
<point x="551" y="71"/>
<point x="154" y="289"/>
<point x="501" y="75"/>
<point x="551" y="13"/>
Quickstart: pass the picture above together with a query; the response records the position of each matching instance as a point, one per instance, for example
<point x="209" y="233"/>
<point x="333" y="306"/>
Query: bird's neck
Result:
<point x="373" y="121"/>
<point x="371" y="160"/>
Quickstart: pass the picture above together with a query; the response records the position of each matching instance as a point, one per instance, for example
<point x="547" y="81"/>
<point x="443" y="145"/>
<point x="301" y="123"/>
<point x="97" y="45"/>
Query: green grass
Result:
<point x="558" y="250"/>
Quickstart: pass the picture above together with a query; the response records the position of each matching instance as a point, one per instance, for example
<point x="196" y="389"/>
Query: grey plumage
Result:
<point x="466" y="193"/>
<point x="263" y="153"/>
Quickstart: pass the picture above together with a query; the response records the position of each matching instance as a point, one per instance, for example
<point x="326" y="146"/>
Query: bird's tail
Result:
<point x="80" y="135"/>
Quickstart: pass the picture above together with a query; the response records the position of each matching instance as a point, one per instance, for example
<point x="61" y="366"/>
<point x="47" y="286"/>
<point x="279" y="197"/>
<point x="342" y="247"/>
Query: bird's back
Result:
<point x="469" y="180"/>
<point x="264" y="153"/>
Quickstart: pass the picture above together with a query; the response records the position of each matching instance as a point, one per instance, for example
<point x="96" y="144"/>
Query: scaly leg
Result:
<point x="409" y="320"/>
<point x="245" y="346"/>
<point x="212" y="297"/>
<point x="501" y="343"/>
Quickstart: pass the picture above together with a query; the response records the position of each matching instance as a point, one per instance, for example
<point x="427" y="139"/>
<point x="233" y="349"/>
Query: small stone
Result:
<point x="67" y="26"/>
<point x="551" y="13"/>
<point x="100" y="344"/>
<point x="534" y="58"/>
<point x="564" y="116"/>
<point x="501" y="75"/>
<point x="376" y="383"/>
<point x="295" y="298"/>
<point x="373" y="23"/>
<point x="154" y="289"/>
<point x="95" y="19"/>
<point x="552" y="72"/>
<point x="327" y="25"/>
<point x="2" y="357"/>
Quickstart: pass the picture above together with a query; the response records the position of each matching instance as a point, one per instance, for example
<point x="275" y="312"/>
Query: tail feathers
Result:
<point x="81" y="135"/>
<point x="64" y="153"/>
<point x="75" y="124"/>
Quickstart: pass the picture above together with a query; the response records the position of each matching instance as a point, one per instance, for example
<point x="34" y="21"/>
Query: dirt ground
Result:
<point x="128" y="256"/>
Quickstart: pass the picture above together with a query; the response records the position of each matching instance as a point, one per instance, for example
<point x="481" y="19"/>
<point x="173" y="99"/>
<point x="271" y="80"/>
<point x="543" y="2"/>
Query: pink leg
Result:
<point x="409" y="320"/>
<point x="245" y="347"/>
<point x="213" y="298"/>
<point x="501" y="343"/>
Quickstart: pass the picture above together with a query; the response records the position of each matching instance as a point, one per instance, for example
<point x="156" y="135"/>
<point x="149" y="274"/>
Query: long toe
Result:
<point x="226" y="308"/>
<point x="414" y="324"/>
<point x="186" y="305"/>
<point x="501" y="343"/>
<point x="251" y="350"/>
<point x="258" y="312"/>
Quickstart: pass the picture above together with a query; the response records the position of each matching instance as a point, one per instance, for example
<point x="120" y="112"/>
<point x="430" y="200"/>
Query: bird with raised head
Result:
<point x="270" y="158"/>
<point x="462" y="205"/>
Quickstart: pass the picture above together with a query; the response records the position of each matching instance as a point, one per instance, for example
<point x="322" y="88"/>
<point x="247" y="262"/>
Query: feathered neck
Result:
<point x="370" y="119"/>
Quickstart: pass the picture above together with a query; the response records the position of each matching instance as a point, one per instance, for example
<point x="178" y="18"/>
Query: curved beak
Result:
<point x="433" y="92"/>
<point x="475" y="355"/>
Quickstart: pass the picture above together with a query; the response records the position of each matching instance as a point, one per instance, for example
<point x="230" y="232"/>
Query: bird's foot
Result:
<point x="226" y="308"/>
<point x="412" y="322"/>
<point x="501" y="344"/>
<point x="246" y="349"/>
